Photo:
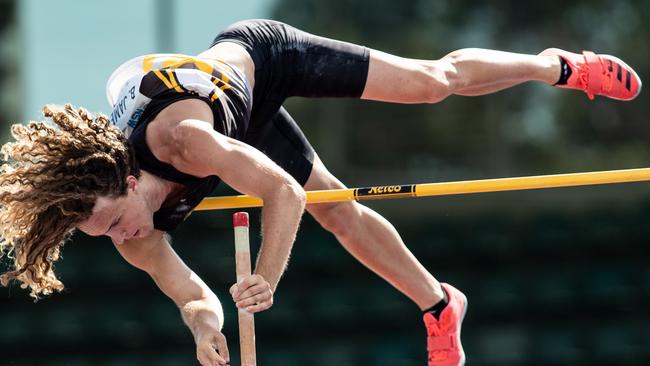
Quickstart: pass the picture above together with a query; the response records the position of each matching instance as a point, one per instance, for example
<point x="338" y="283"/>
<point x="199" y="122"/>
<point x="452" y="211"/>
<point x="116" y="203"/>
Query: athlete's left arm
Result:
<point x="194" y="147"/>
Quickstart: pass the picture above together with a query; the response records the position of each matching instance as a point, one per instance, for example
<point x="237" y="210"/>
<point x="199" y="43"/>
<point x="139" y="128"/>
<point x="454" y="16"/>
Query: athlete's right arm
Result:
<point x="199" y="306"/>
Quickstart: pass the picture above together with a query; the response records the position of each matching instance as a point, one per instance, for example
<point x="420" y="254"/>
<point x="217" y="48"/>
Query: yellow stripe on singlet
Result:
<point x="216" y="94"/>
<point x="203" y="66"/>
<point x="176" y="61"/>
<point x="174" y="82"/>
<point x="163" y="78"/>
<point x="224" y="69"/>
<point x="225" y="86"/>
<point x="147" y="63"/>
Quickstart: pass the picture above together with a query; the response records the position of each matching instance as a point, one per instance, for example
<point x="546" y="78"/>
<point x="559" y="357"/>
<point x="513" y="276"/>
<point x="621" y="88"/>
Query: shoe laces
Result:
<point x="436" y="329"/>
<point x="583" y="78"/>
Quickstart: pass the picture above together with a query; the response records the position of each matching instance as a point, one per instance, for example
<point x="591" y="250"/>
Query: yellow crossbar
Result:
<point x="444" y="188"/>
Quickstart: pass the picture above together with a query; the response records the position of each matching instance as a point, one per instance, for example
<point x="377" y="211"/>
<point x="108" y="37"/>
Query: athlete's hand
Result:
<point x="211" y="348"/>
<point x="253" y="294"/>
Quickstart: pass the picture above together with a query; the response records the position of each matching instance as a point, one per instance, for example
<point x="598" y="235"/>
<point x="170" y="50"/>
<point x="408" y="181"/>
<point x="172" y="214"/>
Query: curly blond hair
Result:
<point x="49" y="180"/>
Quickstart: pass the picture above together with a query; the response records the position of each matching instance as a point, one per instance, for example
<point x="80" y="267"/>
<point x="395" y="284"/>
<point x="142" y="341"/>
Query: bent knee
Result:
<point x="437" y="79"/>
<point x="338" y="218"/>
<point x="462" y="58"/>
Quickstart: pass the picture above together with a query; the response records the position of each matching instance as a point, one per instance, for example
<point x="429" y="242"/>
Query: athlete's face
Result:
<point x="120" y="218"/>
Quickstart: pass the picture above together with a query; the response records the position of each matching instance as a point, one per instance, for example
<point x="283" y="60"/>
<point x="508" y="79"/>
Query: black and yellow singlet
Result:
<point x="140" y="88"/>
<point x="133" y="86"/>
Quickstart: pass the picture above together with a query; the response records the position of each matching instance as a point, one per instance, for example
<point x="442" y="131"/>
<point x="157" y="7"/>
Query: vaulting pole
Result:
<point x="243" y="269"/>
<point x="445" y="188"/>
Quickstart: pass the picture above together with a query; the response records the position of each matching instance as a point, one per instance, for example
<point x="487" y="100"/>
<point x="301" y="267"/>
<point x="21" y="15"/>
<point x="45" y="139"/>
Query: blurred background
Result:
<point x="554" y="277"/>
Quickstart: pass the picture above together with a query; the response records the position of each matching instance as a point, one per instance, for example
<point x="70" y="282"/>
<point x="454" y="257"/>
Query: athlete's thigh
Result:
<point x="280" y="138"/>
<point x="404" y="80"/>
<point x="325" y="67"/>
<point x="321" y="178"/>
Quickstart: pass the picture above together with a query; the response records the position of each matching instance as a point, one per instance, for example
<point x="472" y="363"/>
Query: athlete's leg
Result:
<point x="373" y="241"/>
<point x="295" y="63"/>
<point x="464" y="72"/>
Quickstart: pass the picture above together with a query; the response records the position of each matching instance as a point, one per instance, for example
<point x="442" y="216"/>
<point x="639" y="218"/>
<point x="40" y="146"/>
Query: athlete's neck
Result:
<point x="156" y="189"/>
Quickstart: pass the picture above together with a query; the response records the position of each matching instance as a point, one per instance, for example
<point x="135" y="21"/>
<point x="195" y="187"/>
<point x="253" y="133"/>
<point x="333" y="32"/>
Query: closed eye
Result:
<point x="117" y="221"/>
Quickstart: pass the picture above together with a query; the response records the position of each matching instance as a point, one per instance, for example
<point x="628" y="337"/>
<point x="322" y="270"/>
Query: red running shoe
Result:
<point x="599" y="74"/>
<point x="443" y="336"/>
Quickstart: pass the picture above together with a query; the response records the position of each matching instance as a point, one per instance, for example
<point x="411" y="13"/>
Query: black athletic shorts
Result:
<point x="290" y="62"/>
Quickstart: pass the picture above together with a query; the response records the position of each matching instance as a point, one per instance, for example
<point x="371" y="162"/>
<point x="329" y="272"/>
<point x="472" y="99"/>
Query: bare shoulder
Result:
<point x="159" y="131"/>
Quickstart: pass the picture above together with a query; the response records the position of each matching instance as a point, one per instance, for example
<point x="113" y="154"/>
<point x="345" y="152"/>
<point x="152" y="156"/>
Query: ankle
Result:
<point x="551" y="69"/>
<point x="432" y="298"/>
<point x="436" y="310"/>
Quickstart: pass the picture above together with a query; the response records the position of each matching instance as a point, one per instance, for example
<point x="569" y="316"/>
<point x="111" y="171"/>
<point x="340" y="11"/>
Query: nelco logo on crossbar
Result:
<point x="384" y="189"/>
